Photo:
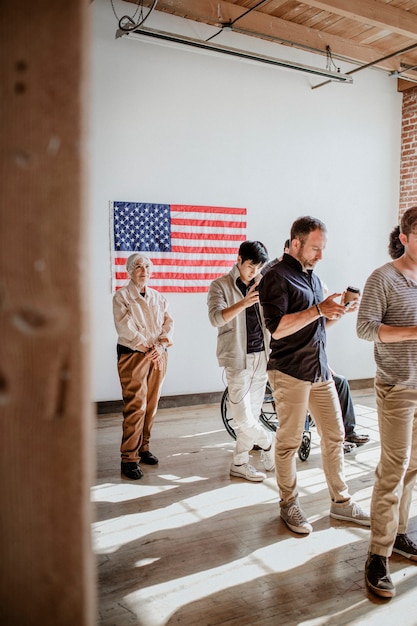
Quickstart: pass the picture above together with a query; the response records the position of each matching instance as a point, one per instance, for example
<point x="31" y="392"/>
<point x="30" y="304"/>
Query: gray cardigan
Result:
<point x="231" y="336"/>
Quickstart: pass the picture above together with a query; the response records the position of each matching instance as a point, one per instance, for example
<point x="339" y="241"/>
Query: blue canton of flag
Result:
<point x="142" y="227"/>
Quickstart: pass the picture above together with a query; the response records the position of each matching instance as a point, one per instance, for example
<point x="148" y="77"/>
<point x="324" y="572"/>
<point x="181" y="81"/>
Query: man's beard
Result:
<point x="304" y="262"/>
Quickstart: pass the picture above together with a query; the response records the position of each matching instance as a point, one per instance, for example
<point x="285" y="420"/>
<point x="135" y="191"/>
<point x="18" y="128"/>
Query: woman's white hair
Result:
<point x="136" y="258"/>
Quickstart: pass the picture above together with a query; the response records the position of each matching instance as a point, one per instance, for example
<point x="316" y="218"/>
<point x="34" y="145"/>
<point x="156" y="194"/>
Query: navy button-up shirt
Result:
<point x="286" y="289"/>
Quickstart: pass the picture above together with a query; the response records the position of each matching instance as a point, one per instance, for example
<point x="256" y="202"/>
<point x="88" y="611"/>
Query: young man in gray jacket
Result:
<point x="242" y="344"/>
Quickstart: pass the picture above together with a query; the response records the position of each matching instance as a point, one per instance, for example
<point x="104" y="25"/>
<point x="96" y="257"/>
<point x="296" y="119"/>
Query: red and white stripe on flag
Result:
<point x="203" y="243"/>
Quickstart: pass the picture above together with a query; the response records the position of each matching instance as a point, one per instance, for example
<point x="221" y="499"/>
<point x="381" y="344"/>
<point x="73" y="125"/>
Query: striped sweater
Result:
<point x="390" y="298"/>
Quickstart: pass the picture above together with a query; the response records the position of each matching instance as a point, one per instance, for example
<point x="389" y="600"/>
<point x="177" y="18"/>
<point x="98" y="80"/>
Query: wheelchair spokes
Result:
<point x="268" y="418"/>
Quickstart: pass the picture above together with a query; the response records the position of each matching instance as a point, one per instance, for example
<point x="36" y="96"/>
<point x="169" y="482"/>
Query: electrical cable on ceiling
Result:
<point x="228" y="25"/>
<point x="127" y="23"/>
<point x="372" y="63"/>
<point x="138" y="3"/>
<point x="329" y="61"/>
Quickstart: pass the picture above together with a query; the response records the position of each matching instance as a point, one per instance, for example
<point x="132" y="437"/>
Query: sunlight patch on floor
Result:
<point x="116" y="492"/>
<point x="109" y="534"/>
<point x="182" y="591"/>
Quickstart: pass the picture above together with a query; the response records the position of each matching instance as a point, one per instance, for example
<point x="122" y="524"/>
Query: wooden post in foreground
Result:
<point x="46" y="420"/>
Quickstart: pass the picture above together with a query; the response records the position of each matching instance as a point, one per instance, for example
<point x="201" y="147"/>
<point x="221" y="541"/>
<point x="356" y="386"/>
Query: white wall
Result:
<point x="176" y="126"/>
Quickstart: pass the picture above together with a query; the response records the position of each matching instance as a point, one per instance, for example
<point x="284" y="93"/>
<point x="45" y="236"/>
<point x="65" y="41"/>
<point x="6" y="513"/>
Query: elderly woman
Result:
<point x="144" y="329"/>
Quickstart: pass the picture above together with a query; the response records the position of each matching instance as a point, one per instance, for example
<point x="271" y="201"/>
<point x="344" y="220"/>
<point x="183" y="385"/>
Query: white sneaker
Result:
<point x="294" y="517"/>
<point x="268" y="457"/>
<point x="350" y="513"/>
<point x="248" y="472"/>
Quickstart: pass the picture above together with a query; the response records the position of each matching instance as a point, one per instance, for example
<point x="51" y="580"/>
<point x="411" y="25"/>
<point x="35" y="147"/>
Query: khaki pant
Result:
<point x="292" y="399"/>
<point x="141" y="385"/>
<point x="396" y="471"/>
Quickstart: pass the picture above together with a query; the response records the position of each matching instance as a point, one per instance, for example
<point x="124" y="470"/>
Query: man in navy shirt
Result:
<point x="296" y="315"/>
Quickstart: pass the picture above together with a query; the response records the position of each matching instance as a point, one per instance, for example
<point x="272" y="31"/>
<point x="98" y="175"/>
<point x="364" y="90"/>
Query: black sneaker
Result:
<point x="405" y="546"/>
<point x="377" y="577"/>
<point x="148" y="458"/>
<point x="131" y="470"/>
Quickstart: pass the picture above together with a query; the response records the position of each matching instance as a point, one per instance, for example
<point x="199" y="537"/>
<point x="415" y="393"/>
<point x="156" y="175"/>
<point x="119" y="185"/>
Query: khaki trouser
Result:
<point x="396" y="471"/>
<point x="141" y="385"/>
<point x="292" y="399"/>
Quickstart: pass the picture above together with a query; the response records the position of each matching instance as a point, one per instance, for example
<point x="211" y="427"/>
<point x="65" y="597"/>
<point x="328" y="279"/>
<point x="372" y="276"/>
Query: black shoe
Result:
<point x="148" y="458"/>
<point x="377" y="576"/>
<point x="358" y="440"/>
<point x="131" y="470"/>
<point x="405" y="546"/>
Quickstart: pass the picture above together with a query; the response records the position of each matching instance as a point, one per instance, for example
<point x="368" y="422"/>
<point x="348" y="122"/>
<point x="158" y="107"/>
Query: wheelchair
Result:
<point x="268" y="418"/>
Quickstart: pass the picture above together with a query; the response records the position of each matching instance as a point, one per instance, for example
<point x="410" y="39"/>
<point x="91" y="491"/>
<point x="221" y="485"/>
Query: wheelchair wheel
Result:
<point x="304" y="449"/>
<point x="268" y="415"/>
<point x="227" y="418"/>
<point x="268" y="419"/>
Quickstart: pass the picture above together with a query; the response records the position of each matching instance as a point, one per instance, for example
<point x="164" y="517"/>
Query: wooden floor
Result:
<point x="189" y="545"/>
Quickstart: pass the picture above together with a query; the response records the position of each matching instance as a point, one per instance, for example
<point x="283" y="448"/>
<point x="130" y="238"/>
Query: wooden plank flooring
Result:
<point x="187" y="544"/>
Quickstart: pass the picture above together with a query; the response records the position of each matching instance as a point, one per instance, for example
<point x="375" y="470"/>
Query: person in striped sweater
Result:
<point x="388" y="317"/>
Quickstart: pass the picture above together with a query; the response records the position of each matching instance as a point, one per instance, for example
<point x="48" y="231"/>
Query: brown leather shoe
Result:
<point x="359" y="440"/>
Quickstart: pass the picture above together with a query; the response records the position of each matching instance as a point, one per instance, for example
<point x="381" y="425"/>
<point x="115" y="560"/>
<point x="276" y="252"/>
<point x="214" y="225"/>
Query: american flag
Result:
<point x="189" y="245"/>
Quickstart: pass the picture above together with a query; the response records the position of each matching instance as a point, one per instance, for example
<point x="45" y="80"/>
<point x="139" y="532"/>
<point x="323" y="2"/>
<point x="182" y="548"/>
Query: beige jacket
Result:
<point x="231" y="336"/>
<point x="141" y="321"/>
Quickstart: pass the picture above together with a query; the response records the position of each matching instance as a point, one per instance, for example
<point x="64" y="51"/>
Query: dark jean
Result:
<point x="346" y="404"/>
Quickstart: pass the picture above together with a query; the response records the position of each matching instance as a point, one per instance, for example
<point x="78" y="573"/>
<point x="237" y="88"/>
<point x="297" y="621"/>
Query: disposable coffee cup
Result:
<point x="351" y="294"/>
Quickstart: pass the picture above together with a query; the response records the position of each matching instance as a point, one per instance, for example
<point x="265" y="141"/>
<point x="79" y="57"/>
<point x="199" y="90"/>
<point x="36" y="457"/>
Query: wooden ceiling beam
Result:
<point x="371" y="12"/>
